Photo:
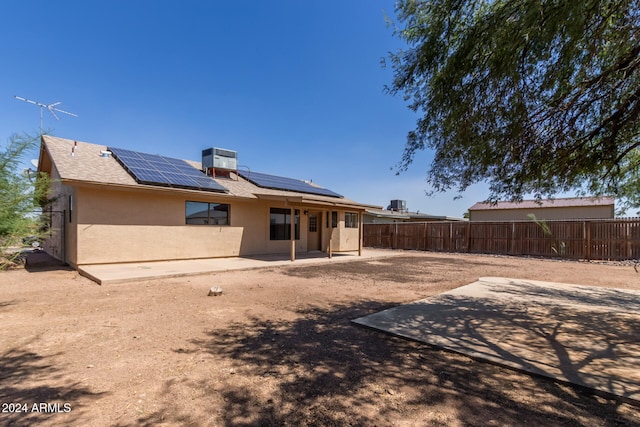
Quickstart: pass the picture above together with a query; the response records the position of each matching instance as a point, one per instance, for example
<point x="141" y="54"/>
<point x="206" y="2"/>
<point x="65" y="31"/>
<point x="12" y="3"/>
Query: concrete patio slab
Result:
<point x="130" y="272"/>
<point x="582" y="335"/>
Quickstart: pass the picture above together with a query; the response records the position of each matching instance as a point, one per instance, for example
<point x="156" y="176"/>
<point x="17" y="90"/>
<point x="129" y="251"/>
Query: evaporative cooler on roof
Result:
<point x="219" y="158"/>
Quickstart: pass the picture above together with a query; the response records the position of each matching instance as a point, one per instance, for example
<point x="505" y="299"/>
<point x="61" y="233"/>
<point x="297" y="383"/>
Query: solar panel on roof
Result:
<point x="159" y="170"/>
<point x="288" y="184"/>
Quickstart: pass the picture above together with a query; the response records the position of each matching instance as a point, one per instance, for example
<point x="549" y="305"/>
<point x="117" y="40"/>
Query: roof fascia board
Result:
<point x="301" y="200"/>
<point x="151" y="188"/>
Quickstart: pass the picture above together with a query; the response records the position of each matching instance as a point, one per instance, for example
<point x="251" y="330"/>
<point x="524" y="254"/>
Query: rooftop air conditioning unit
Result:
<point x="399" y="205"/>
<point x="219" y="158"/>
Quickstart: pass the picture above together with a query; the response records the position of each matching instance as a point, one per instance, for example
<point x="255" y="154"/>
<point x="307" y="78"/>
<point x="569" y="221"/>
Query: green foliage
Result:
<point x="629" y="188"/>
<point x="19" y="196"/>
<point x="557" y="246"/>
<point x="531" y="96"/>
<point x="542" y="224"/>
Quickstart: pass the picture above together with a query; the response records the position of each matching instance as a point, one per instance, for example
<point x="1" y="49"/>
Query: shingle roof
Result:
<point x="547" y="203"/>
<point x="86" y="165"/>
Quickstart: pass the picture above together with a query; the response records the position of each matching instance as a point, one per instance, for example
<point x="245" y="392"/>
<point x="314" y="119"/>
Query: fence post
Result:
<point x="395" y="237"/>
<point x="424" y="237"/>
<point x="468" y="236"/>
<point x="587" y="232"/>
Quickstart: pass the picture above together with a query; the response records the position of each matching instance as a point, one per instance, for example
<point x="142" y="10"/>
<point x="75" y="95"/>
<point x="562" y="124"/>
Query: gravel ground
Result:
<point x="277" y="348"/>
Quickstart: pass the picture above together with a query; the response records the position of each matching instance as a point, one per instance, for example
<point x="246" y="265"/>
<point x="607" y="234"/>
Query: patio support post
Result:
<point x="293" y="234"/>
<point x="360" y="236"/>
<point x="330" y="242"/>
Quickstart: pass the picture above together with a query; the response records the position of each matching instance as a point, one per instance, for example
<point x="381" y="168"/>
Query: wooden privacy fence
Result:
<point x="615" y="239"/>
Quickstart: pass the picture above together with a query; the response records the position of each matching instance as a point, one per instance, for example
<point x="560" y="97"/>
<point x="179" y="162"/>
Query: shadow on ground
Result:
<point x="399" y="269"/>
<point x="24" y="376"/>
<point x="38" y="261"/>
<point x="322" y="370"/>
<point x="588" y="337"/>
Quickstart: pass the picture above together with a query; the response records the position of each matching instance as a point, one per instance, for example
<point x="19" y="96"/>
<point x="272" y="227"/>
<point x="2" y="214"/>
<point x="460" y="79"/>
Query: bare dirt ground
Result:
<point x="277" y="348"/>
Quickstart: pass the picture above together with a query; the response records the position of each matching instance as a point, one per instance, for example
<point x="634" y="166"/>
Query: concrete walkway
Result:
<point x="130" y="272"/>
<point x="582" y="335"/>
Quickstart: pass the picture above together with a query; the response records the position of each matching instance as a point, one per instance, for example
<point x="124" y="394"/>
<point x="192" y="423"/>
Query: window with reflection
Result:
<point x="280" y="224"/>
<point x="351" y="220"/>
<point x="204" y="213"/>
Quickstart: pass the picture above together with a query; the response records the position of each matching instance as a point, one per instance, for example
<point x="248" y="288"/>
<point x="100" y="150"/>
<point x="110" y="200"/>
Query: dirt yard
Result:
<point x="277" y="348"/>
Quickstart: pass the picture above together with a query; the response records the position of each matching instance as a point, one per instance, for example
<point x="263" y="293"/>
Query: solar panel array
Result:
<point x="288" y="184"/>
<point x="159" y="170"/>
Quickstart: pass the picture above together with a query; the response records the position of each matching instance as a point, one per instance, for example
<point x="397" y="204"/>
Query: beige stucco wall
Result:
<point x="131" y="225"/>
<point x="560" y="213"/>
<point x="99" y="243"/>
<point x="342" y="239"/>
<point x="127" y="226"/>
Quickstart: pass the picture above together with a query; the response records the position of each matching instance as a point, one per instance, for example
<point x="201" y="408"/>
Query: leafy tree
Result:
<point x="19" y="196"/>
<point x="531" y="96"/>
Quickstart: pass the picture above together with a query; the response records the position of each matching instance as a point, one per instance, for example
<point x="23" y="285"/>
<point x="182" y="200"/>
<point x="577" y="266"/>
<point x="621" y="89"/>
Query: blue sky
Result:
<point x="296" y="87"/>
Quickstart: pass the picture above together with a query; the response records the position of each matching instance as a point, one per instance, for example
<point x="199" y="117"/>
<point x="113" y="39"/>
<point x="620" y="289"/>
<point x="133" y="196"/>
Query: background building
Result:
<point x="551" y="209"/>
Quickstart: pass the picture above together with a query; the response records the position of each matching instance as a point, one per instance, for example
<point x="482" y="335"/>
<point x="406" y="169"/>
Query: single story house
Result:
<point x="386" y="216"/>
<point x="117" y="205"/>
<point x="550" y="209"/>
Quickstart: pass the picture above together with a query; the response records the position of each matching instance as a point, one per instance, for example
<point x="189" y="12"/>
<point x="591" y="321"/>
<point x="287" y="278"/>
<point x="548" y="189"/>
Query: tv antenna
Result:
<point x="51" y="107"/>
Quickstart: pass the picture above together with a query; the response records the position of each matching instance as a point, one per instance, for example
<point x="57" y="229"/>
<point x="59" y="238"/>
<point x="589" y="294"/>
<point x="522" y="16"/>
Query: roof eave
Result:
<point x="305" y="200"/>
<point x="153" y="188"/>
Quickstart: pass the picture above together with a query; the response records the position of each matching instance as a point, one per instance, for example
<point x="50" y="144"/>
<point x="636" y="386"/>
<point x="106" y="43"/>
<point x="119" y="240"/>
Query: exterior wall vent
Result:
<point x="219" y="158"/>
